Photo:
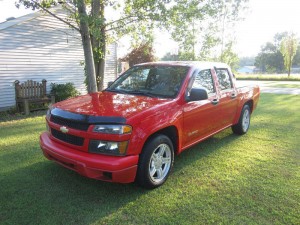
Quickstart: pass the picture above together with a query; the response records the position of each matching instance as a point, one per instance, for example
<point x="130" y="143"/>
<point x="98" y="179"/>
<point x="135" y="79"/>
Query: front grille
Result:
<point x="71" y="139"/>
<point x="69" y="123"/>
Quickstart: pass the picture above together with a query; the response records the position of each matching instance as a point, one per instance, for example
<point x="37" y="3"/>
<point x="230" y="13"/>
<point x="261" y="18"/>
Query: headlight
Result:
<point x="48" y="114"/>
<point x="108" y="147"/>
<point x="113" y="129"/>
<point x="47" y="127"/>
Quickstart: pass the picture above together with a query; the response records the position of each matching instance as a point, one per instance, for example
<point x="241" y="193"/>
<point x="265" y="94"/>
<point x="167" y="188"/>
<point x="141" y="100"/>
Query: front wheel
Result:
<point x="156" y="162"/>
<point x="244" y="121"/>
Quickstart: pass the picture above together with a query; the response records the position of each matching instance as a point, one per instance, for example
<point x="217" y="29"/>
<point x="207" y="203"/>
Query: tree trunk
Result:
<point x="95" y="40"/>
<point x="87" y="48"/>
<point x="290" y="65"/>
<point x="99" y="43"/>
<point x="101" y="64"/>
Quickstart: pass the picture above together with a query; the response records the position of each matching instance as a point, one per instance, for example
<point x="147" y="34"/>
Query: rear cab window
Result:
<point x="224" y="79"/>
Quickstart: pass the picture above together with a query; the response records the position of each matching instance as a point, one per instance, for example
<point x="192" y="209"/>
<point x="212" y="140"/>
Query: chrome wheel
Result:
<point x="160" y="163"/>
<point x="246" y="120"/>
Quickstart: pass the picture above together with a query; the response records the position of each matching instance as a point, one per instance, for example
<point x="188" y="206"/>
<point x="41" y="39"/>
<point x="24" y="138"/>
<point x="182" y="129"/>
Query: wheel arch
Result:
<point x="250" y="103"/>
<point x="171" y="132"/>
<point x="239" y="110"/>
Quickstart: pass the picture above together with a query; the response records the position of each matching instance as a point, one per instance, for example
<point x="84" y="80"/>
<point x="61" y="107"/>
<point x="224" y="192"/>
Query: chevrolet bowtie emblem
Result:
<point x="64" y="129"/>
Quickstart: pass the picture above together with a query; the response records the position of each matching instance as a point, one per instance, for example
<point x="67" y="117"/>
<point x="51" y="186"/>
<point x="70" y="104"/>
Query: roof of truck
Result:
<point x="200" y="64"/>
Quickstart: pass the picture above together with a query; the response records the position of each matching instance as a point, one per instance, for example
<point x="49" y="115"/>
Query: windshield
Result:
<point x="153" y="81"/>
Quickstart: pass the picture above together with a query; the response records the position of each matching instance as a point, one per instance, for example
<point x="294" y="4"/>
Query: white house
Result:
<point x="38" y="46"/>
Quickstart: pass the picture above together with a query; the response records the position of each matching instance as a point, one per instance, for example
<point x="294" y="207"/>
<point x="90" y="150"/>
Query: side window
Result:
<point x="224" y="79"/>
<point x="203" y="79"/>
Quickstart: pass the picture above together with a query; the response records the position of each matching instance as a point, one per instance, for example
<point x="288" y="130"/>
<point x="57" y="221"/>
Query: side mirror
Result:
<point x="198" y="94"/>
<point x="109" y="83"/>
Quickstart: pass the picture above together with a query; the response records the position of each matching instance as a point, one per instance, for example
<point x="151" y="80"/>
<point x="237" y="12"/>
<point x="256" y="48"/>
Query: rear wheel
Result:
<point x="155" y="162"/>
<point x="244" y="121"/>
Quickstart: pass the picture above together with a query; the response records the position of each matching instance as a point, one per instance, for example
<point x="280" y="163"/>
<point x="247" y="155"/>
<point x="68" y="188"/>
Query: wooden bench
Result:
<point x="31" y="92"/>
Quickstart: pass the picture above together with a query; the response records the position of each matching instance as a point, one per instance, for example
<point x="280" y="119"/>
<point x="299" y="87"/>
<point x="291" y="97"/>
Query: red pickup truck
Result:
<point x="131" y="130"/>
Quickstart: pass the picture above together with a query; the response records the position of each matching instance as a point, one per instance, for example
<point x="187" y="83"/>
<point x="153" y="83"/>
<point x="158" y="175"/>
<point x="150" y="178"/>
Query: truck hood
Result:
<point x="110" y="104"/>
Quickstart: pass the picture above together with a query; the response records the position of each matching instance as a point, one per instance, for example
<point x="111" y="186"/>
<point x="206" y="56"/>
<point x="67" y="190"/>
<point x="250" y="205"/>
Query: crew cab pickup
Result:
<point x="131" y="130"/>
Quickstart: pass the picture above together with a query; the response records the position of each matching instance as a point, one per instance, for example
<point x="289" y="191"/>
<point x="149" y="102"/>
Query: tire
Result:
<point x="156" y="162"/>
<point x="244" y="121"/>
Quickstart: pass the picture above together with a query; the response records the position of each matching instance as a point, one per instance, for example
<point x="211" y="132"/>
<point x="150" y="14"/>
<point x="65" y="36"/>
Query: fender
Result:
<point x="155" y="123"/>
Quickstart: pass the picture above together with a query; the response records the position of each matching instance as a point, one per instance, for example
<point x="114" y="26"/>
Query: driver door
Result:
<point x="201" y="117"/>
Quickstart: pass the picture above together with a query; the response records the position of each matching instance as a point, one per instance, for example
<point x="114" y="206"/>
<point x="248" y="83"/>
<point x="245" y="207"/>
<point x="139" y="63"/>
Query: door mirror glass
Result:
<point x="197" y="94"/>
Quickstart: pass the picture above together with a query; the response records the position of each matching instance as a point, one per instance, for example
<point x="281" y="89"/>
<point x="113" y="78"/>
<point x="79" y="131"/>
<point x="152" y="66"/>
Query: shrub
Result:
<point x="63" y="91"/>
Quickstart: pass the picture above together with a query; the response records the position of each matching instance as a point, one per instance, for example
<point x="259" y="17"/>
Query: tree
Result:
<point x="138" y="17"/>
<point x="296" y="60"/>
<point x="97" y="30"/>
<point x="247" y="61"/>
<point x="140" y="54"/>
<point x="229" y="57"/>
<point x="170" y="57"/>
<point x="270" y="59"/>
<point x="288" y="49"/>
<point x="205" y="25"/>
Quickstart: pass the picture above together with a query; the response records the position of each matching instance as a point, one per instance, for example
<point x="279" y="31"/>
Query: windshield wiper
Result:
<point x="145" y="93"/>
<point x="116" y="91"/>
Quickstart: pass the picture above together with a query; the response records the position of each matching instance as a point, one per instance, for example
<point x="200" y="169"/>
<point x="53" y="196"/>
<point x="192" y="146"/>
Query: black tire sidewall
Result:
<point x="238" y="128"/>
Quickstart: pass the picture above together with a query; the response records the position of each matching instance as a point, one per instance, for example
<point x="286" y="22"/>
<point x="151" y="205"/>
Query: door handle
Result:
<point x="215" y="101"/>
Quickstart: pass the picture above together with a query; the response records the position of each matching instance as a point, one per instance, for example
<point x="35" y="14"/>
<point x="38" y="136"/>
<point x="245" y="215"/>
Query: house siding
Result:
<point x="111" y="64"/>
<point x="42" y="47"/>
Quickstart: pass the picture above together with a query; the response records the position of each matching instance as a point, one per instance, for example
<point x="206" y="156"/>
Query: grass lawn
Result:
<point x="285" y="85"/>
<point x="271" y="77"/>
<point x="227" y="179"/>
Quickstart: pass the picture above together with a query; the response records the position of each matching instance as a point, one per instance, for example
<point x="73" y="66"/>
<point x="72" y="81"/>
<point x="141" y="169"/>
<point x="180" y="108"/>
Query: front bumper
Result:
<point x="100" y="167"/>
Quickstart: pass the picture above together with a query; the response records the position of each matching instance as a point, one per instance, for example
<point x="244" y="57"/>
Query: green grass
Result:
<point x="268" y="77"/>
<point x="227" y="179"/>
<point x="10" y="115"/>
<point x="285" y="85"/>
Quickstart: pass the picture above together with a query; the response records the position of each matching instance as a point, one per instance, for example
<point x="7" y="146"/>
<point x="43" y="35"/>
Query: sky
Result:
<point x="263" y="20"/>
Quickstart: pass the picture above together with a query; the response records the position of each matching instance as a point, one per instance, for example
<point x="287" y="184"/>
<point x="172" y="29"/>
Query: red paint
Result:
<point x="193" y="121"/>
<point x="123" y="169"/>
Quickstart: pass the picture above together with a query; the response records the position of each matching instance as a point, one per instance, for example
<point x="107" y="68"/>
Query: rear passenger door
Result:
<point x="228" y="96"/>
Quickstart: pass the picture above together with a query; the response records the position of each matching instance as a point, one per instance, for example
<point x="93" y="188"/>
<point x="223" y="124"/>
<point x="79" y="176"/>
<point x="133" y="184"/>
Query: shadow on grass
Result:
<point x="204" y="149"/>
<point x="47" y="193"/>
<point x="210" y="180"/>
<point x="43" y="191"/>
